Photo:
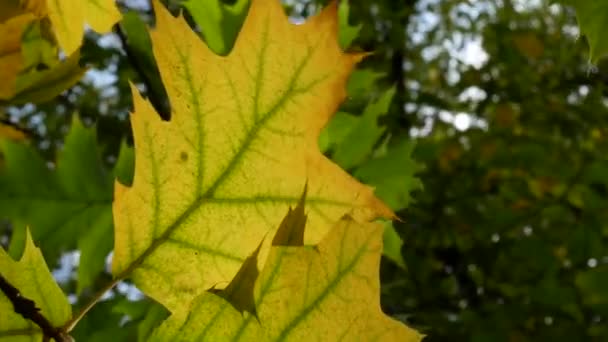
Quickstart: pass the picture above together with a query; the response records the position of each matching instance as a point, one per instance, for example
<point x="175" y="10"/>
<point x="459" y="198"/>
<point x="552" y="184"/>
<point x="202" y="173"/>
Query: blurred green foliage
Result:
<point x="488" y="110"/>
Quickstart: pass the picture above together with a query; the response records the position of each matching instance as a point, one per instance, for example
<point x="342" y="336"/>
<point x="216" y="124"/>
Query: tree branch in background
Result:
<point x="403" y="11"/>
<point x="28" y="310"/>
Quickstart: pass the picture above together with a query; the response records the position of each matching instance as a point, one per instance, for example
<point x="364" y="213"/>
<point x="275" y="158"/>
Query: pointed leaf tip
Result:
<point x="291" y="229"/>
<point x="240" y="290"/>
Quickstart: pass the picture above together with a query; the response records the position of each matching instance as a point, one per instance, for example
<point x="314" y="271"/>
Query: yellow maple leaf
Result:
<point x="68" y="18"/>
<point x="329" y="292"/>
<point x="240" y="145"/>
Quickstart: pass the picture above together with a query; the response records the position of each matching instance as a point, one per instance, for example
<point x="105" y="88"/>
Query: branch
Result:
<point x="28" y="310"/>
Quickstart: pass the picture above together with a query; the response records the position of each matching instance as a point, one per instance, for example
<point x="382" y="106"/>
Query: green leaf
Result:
<point x="592" y="16"/>
<point x="336" y="130"/>
<point x="31" y="276"/>
<point x="123" y="170"/>
<point x="152" y="319"/>
<point x="36" y="49"/>
<point x="94" y="246"/>
<point x="41" y="86"/>
<point x="391" y="247"/>
<point x="219" y="22"/>
<point x="392" y="174"/>
<point x="362" y="82"/>
<point x="104" y="318"/>
<point x="65" y="208"/>
<point x="347" y="32"/>
<point x="140" y="46"/>
<point x="358" y="144"/>
<point x="18" y="237"/>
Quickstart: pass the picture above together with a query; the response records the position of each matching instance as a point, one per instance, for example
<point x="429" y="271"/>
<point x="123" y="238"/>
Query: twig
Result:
<point x="28" y="310"/>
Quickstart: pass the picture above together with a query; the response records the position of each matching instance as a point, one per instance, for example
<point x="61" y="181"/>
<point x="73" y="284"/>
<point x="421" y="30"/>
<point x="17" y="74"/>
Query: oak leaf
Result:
<point x="240" y="145"/>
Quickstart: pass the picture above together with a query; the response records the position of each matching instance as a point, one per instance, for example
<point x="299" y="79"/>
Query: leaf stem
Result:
<point x="69" y="325"/>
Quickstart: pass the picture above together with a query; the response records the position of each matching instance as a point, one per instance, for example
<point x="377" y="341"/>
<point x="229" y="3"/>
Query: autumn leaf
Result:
<point x="68" y="18"/>
<point x="30" y="68"/>
<point x="32" y="278"/>
<point x="328" y="292"/>
<point x="240" y="145"/>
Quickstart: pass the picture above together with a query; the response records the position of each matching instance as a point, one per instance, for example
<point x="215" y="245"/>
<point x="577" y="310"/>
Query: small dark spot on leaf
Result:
<point x="183" y="156"/>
